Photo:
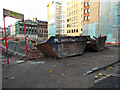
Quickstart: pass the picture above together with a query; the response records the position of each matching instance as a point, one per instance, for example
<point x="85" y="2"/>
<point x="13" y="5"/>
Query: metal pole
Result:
<point x="6" y="39"/>
<point x="25" y="39"/>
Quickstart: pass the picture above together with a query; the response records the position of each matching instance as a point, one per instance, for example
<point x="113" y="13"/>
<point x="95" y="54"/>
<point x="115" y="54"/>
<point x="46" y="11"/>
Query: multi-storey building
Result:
<point x="54" y="18"/>
<point x="42" y="28"/>
<point x="63" y="20"/>
<point x="2" y="32"/>
<point x="90" y="17"/>
<point x="74" y="16"/>
<point x="101" y="18"/>
<point x="12" y="30"/>
<point x="31" y="29"/>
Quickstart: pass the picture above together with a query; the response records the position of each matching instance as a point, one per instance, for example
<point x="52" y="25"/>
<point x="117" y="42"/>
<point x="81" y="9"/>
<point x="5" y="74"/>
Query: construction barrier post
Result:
<point x="5" y="39"/>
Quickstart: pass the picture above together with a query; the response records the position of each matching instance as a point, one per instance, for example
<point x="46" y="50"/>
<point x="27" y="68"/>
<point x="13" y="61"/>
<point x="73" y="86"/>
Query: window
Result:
<point x="72" y="30"/>
<point x="81" y="15"/>
<point x="85" y="4"/>
<point x="81" y="29"/>
<point x="77" y="5"/>
<point x="85" y="11"/>
<point x="88" y="3"/>
<point x="77" y="24"/>
<point x="67" y="20"/>
<point x="81" y="9"/>
<point x="88" y="17"/>
<point x="76" y="30"/>
<point x="85" y="18"/>
<point x="88" y="10"/>
<point x="67" y="31"/>
<point x="76" y="17"/>
<point x="77" y="11"/>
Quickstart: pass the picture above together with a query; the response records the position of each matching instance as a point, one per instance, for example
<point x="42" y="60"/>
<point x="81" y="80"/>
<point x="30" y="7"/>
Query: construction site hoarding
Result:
<point x="63" y="46"/>
<point x="13" y="14"/>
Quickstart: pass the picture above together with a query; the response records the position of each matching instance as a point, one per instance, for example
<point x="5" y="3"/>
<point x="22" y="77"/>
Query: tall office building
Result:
<point x="54" y="18"/>
<point x="74" y="17"/>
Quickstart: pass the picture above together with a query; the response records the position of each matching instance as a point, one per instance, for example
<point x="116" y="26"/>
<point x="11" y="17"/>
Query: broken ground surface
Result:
<point x="66" y="73"/>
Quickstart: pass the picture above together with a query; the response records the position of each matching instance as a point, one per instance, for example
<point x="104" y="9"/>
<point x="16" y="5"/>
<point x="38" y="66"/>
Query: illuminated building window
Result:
<point x="85" y="4"/>
<point x="85" y="11"/>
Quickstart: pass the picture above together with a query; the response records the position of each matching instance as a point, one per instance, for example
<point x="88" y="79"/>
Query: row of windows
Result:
<point x="72" y="19"/>
<point x="42" y="23"/>
<point x="72" y="7"/>
<point x="43" y="31"/>
<point x="72" y="31"/>
<point x="71" y="2"/>
<point x="86" y="17"/>
<point x="72" y="25"/>
<point x="87" y="3"/>
<point x="28" y="27"/>
<point x="28" y="32"/>
<point x="72" y="13"/>
<point x="87" y="11"/>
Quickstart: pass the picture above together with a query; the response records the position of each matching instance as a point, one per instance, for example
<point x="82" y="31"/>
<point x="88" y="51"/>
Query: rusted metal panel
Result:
<point x="96" y="44"/>
<point x="63" y="46"/>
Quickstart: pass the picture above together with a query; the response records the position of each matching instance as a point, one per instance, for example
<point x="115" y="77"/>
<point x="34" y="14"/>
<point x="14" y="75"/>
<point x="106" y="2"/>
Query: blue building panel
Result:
<point x="90" y="29"/>
<point x="51" y="31"/>
<point x="108" y="24"/>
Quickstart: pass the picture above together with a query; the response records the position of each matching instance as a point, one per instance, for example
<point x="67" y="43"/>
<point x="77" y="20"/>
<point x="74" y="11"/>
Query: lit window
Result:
<point x="81" y="15"/>
<point x="85" y="4"/>
<point x="88" y="17"/>
<point x="85" y="11"/>
<point x="85" y="18"/>
<point x="88" y="10"/>
<point x="89" y="3"/>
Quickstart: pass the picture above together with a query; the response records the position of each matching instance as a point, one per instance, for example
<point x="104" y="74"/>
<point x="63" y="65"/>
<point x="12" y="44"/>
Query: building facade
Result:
<point x="31" y="29"/>
<point x="42" y="28"/>
<point x="103" y="17"/>
<point x="54" y="18"/>
<point x="91" y="18"/>
<point x="74" y="17"/>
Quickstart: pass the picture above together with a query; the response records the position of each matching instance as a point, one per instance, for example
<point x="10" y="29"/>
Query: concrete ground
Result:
<point x="66" y="73"/>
